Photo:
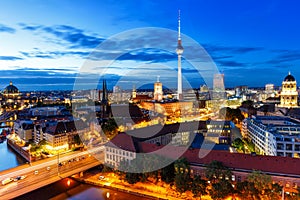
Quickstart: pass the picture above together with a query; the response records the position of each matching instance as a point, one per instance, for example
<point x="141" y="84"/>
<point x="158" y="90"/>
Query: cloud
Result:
<point x="212" y="48"/>
<point x="29" y="27"/>
<point x="231" y="63"/>
<point x="149" y="55"/>
<point x="76" y="38"/>
<point x="54" y="54"/>
<point x="10" y="58"/>
<point x="285" y="56"/>
<point x="4" y="28"/>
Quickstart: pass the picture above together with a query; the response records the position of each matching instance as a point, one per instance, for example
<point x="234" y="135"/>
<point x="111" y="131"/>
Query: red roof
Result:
<point x="273" y="164"/>
<point x="123" y="141"/>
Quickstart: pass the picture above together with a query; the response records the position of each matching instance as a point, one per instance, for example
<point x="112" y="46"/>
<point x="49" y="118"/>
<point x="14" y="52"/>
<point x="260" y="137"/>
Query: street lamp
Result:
<point x="29" y="147"/>
<point x="58" y="163"/>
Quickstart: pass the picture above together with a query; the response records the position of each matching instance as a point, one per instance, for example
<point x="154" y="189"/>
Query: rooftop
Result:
<point x="267" y="164"/>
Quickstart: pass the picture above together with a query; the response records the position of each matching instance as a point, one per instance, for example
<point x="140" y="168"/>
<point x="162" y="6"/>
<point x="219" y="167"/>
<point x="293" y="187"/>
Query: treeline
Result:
<point x="217" y="182"/>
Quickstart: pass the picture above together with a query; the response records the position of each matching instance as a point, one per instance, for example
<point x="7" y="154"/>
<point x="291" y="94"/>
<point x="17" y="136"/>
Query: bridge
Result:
<point x="45" y="172"/>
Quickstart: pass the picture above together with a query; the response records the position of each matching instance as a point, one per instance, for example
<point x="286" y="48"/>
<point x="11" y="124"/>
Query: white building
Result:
<point x="273" y="135"/>
<point x="121" y="147"/>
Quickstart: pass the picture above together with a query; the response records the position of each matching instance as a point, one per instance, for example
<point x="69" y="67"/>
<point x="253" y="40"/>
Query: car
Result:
<point x="6" y="181"/>
<point x="101" y="177"/>
<point x="36" y="172"/>
<point x="48" y="168"/>
<point x="19" y="178"/>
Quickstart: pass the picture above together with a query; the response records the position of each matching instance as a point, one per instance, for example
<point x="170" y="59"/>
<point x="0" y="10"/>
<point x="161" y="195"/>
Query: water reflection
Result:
<point x="8" y="158"/>
<point x="61" y="190"/>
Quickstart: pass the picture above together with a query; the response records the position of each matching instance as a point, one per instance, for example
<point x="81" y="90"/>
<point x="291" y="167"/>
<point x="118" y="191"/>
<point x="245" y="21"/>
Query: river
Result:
<point x="8" y="158"/>
<point x="72" y="190"/>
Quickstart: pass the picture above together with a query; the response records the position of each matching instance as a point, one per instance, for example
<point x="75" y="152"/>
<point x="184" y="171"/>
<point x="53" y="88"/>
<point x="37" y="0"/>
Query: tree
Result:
<point x="168" y="173"/>
<point x="230" y="114"/>
<point x="221" y="190"/>
<point x="239" y="144"/>
<point x="274" y="192"/>
<point x="262" y="182"/>
<point x="250" y="145"/>
<point x="110" y="128"/>
<point x="216" y="171"/>
<point x="77" y="139"/>
<point x="132" y="178"/>
<point x="198" y="187"/>
<point x="43" y="142"/>
<point x="247" y="190"/>
<point x="107" y="168"/>
<point x="182" y="178"/>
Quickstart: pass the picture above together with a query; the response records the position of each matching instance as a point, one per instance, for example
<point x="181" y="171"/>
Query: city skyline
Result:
<point x="45" y="44"/>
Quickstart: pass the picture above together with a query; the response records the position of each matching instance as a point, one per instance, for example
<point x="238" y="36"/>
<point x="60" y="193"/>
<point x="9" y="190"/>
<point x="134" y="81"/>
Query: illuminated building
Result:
<point x="172" y="108"/>
<point x="273" y="135"/>
<point x="289" y="94"/>
<point x="219" y="132"/>
<point x="269" y="88"/>
<point x="158" y="92"/>
<point x="218" y="83"/>
<point x="121" y="147"/>
<point x="117" y="94"/>
<point x="218" y="87"/>
<point x="11" y="97"/>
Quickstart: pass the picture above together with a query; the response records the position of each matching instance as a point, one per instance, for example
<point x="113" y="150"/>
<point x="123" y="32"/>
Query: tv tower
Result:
<point x="179" y="51"/>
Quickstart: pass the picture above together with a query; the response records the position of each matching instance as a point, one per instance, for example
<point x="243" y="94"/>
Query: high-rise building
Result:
<point x="94" y="95"/>
<point x="218" y="87"/>
<point x="179" y="51"/>
<point x="269" y="88"/>
<point x="289" y="94"/>
<point x="117" y="94"/>
<point x="158" y="92"/>
<point x="218" y="83"/>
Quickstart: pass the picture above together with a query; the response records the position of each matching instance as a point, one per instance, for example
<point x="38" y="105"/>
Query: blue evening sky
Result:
<point x="45" y="44"/>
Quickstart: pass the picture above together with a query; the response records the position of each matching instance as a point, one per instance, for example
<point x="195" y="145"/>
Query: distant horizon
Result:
<point x="110" y="87"/>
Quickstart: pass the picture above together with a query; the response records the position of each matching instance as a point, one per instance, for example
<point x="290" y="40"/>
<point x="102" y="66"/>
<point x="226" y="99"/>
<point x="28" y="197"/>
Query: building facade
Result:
<point x="219" y="132"/>
<point x="120" y="148"/>
<point x="158" y="91"/>
<point x="289" y="93"/>
<point x="273" y="135"/>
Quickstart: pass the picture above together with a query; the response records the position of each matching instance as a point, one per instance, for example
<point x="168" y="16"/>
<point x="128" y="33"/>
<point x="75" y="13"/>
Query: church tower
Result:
<point x="179" y="51"/>
<point x="158" y="92"/>
<point x="105" y="107"/>
<point x="289" y="93"/>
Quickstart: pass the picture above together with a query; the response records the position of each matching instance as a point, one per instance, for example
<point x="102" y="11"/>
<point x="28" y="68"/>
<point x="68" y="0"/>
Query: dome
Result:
<point x="289" y="78"/>
<point x="10" y="89"/>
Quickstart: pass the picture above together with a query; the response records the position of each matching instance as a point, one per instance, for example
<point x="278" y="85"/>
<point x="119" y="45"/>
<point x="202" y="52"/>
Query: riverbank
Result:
<point x="19" y="149"/>
<point x="144" y="190"/>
